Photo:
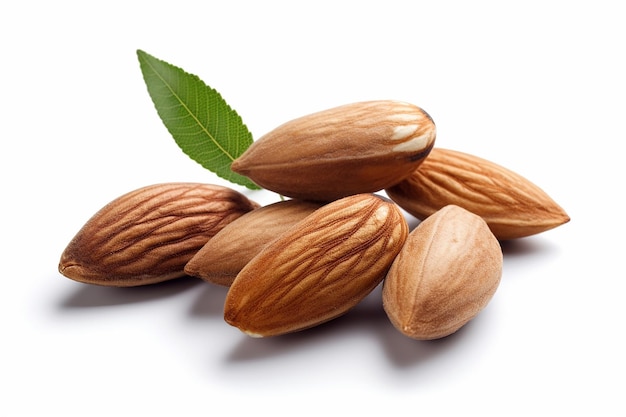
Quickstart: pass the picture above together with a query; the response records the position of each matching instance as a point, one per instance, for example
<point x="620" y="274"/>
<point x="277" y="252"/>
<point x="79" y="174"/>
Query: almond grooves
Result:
<point x="319" y="269"/>
<point x="299" y="263"/>
<point x="148" y="235"/>
<point x="512" y="206"/>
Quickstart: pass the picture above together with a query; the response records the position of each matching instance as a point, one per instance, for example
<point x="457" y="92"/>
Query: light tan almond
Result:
<point x="225" y="254"/>
<point x="446" y="273"/>
<point x="319" y="269"/>
<point x="512" y="206"/>
<point x="148" y="235"/>
<point x="356" y="148"/>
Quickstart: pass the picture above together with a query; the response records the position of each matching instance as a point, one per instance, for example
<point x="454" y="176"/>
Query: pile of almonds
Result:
<point x="305" y="260"/>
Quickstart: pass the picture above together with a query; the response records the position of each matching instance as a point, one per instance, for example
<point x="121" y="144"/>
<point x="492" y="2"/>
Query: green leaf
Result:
<point x="203" y="125"/>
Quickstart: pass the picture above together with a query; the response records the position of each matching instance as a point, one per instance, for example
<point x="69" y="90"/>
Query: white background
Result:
<point x="536" y="86"/>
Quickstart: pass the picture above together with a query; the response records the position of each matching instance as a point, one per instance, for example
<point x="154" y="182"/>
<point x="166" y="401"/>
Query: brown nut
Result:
<point x="225" y="254"/>
<point x="511" y="205"/>
<point x="148" y="235"/>
<point x="319" y="269"/>
<point x="356" y="148"/>
<point x="446" y="273"/>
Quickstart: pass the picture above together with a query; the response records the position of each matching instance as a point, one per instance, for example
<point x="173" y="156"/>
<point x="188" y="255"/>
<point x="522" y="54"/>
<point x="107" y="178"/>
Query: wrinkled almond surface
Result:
<point x="446" y="273"/>
<point x="356" y="148"/>
<point x="225" y="254"/>
<point x="319" y="269"/>
<point x="512" y="206"/>
<point x="148" y="235"/>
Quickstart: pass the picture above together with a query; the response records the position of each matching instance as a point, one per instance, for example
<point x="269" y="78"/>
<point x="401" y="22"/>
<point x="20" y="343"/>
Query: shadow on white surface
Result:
<point x="365" y="327"/>
<point x="532" y="245"/>
<point x="87" y="296"/>
<point x="210" y="302"/>
<point x="367" y="321"/>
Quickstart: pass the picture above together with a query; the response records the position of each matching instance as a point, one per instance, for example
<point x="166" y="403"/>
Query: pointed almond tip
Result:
<point x="560" y="217"/>
<point x="72" y="266"/>
<point x="62" y="267"/>
<point x="191" y="270"/>
<point x="231" y="320"/>
<point x="236" y="166"/>
<point x="252" y="334"/>
<point x="67" y="264"/>
<point x="72" y="270"/>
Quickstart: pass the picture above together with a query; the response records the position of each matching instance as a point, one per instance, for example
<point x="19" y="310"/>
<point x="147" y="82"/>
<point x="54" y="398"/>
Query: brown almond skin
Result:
<point x="227" y="253"/>
<point x="351" y="149"/>
<point x="149" y="234"/>
<point x="446" y="273"/>
<point x="319" y="269"/>
<point x="512" y="206"/>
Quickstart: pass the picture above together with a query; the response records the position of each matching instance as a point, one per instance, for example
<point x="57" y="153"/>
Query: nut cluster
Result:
<point x="306" y="260"/>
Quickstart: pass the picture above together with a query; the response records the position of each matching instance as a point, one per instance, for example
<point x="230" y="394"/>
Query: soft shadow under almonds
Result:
<point x="405" y="352"/>
<point x="368" y="318"/>
<point x="210" y="301"/>
<point x="523" y="247"/>
<point x="87" y="295"/>
<point x="361" y="319"/>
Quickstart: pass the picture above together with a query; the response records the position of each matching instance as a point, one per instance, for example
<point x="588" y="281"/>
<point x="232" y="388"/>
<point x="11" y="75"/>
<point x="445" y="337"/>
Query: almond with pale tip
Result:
<point x="356" y="148"/>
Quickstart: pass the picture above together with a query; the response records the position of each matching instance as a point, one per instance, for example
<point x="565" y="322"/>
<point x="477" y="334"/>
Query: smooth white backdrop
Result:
<point x="536" y="86"/>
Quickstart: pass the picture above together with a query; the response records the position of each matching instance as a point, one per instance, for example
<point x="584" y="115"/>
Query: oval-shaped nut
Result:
<point x="356" y="148"/>
<point x="148" y="235"/>
<point x="446" y="273"/>
<point x="512" y="206"/>
<point x="227" y="253"/>
<point x="319" y="269"/>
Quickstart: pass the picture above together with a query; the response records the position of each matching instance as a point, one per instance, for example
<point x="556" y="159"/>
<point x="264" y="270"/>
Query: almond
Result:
<point x="356" y="148"/>
<point x="225" y="254"/>
<point x="512" y="206"/>
<point x="447" y="271"/>
<point x="319" y="269"/>
<point x="148" y="235"/>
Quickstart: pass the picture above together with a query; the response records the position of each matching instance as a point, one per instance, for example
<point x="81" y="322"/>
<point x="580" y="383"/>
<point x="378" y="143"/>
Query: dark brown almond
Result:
<point x="148" y="235"/>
